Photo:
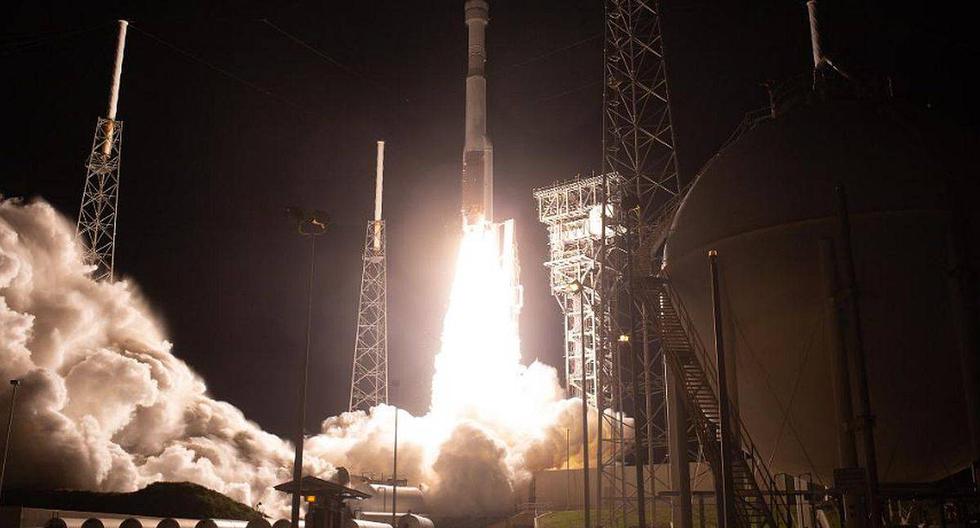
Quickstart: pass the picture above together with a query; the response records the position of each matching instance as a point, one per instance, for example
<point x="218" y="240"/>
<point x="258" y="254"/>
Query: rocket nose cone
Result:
<point x="477" y="10"/>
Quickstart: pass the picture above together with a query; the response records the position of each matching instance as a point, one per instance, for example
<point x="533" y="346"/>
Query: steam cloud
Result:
<point x="104" y="404"/>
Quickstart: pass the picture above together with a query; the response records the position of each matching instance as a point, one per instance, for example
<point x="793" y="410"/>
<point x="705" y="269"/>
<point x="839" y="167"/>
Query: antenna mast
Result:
<point x="97" y="215"/>
<point x="369" y="374"/>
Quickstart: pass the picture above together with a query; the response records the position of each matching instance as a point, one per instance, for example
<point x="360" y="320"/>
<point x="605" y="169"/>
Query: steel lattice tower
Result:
<point x="638" y="145"/>
<point x="369" y="374"/>
<point x="97" y="215"/>
<point x="571" y="212"/>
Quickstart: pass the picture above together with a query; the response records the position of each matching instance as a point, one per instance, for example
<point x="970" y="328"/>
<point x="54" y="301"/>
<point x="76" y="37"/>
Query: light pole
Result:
<point x="309" y="223"/>
<point x="568" y="472"/>
<point x="394" y="470"/>
<point x="394" y="478"/>
<point x="576" y="287"/>
<point x="10" y="423"/>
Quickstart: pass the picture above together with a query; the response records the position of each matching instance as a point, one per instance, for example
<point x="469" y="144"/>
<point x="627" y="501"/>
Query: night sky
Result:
<point x="230" y="117"/>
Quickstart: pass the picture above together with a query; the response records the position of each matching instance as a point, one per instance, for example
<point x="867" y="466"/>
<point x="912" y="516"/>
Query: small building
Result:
<point x="327" y="503"/>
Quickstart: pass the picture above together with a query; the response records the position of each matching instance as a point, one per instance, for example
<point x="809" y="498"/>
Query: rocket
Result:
<point x="477" y="176"/>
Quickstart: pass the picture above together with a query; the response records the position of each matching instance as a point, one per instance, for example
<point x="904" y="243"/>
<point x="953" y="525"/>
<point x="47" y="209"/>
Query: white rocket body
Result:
<point x="477" y="177"/>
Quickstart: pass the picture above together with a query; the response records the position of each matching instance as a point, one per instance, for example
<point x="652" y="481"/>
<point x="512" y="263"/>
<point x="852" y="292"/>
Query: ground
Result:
<point x="161" y="499"/>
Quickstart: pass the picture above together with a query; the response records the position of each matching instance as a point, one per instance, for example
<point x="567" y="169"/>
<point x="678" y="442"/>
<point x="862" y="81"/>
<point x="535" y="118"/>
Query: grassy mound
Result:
<point x="161" y="499"/>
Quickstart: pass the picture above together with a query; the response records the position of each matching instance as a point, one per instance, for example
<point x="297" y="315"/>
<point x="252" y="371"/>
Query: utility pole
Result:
<point x="309" y="224"/>
<point x="726" y="509"/>
<point x="841" y="379"/>
<point x="856" y="353"/>
<point x="394" y="477"/>
<point x="96" y="225"/>
<point x="577" y="287"/>
<point x="369" y="372"/>
<point x="10" y="424"/>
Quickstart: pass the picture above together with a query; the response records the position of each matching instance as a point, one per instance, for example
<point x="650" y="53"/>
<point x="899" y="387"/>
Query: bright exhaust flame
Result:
<point x="478" y="370"/>
<point x="492" y="420"/>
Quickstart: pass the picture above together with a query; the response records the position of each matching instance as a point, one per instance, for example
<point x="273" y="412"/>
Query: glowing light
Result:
<point x="478" y="369"/>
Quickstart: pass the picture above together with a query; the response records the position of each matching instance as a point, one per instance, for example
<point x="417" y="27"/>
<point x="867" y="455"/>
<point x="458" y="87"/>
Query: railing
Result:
<point x="764" y="490"/>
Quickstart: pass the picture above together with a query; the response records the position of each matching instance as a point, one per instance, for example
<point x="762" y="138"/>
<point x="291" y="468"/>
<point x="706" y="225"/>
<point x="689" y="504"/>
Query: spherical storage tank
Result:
<point x="764" y="203"/>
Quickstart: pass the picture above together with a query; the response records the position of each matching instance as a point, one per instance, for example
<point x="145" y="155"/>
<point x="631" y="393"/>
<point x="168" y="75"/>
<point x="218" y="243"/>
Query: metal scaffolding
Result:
<point x="97" y="216"/>
<point x="369" y="373"/>
<point x="571" y="210"/>
<point x="369" y="378"/>
<point x="96" y="225"/>
<point x="638" y="145"/>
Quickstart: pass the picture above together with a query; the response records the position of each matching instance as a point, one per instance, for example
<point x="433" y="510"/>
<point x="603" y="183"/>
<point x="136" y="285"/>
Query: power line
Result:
<point x="310" y="48"/>
<point x="568" y="92"/>
<point x="217" y="68"/>
<point x="548" y="54"/>
<point x="15" y="44"/>
<point x="323" y="55"/>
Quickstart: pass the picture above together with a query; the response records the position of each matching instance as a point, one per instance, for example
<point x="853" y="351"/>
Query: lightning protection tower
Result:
<point x="638" y="145"/>
<point x="97" y="215"/>
<point x="369" y="376"/>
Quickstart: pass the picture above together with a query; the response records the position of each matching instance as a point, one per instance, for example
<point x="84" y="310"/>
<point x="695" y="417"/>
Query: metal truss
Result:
<point x="96" y="225"/>
<point x="638" y="144"/>
<point x="572" y="212"/>
<point x="369" y="376"/>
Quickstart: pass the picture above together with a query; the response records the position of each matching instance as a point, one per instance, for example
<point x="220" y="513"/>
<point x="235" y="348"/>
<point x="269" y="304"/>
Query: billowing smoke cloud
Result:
<point x="105" y="405"/>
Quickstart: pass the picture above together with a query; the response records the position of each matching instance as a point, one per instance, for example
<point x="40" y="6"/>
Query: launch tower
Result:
<point x="369" y="374"/>
<point x="97" y="215"/>
<point x="638" y="145"/>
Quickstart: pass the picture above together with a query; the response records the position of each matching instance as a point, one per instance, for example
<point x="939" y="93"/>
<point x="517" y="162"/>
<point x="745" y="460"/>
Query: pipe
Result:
<point x="110" y="123"/>
<point x="394" y="476"/>
<point x="649" y="405"/>
<point x="378" y="189"/>
<point x="816" y="42"/>
<point x="726" y="511"/>
<point x="680" y="469"/>
<point x="840" y="377"/>
<point x="858" y="360"/>
<point x="634" y="366"/>
<point x="379" y="174"/>
<point x="601" y="337"/>
<point x="117" y="71"/>
<point x="585" y="406"/>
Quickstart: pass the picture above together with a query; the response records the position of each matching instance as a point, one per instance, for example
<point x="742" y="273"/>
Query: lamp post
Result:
<point x="394" y="471"/>
<point x="309" y="223"/>
<point x="14" y="383"/>
<point x="576" y="287"/>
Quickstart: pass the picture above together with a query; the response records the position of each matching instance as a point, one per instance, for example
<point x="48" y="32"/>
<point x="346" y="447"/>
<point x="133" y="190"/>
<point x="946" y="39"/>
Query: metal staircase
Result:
<point x="757" y="500"/>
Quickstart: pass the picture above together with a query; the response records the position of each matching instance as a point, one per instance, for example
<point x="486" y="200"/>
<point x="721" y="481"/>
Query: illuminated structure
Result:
<point x="369" y="374"/>
<point x="638" y="144"/>
<point x="571" y="210"/>
<point x="596" y="225"/>
<point x="97" y="215"/>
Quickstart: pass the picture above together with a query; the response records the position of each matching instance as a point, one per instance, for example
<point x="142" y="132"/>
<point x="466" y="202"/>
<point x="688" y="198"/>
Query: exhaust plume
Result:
<point x="105" y="405"/>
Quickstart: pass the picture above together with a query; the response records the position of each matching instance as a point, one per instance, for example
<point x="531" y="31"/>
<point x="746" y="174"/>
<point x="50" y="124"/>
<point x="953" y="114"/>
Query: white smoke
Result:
<point x="104" y="404"/>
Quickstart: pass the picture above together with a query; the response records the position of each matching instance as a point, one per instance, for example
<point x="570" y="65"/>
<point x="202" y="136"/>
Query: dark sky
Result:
<point x="228" y="120"/>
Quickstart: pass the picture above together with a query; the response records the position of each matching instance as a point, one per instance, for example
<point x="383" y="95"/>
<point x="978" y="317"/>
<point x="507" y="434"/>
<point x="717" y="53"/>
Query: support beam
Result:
<point x="856" y="353"/>
<point x="840" y="377"/>
<point x="724" y="482"/>
<point x="680" y="469"/>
